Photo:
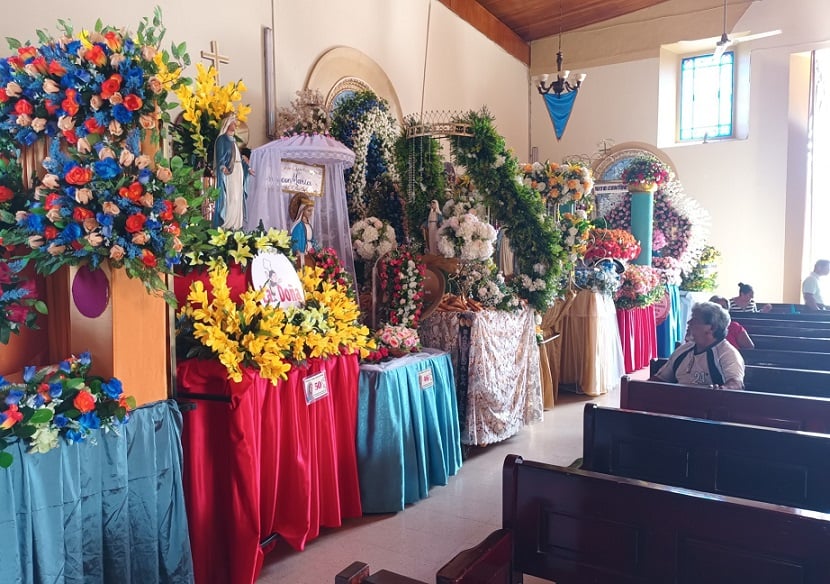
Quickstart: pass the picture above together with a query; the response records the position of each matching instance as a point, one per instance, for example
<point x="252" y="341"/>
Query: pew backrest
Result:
<point x="787" y="359"/>
<point x="802" y="315"/>
<point x="763" y="464"/>
<point x="808" y="414"/>
<point x="572" y="527"/>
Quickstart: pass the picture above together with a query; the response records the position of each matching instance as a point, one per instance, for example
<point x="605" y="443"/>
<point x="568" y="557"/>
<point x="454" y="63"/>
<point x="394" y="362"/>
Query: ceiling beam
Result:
<point x="491" y="27"/>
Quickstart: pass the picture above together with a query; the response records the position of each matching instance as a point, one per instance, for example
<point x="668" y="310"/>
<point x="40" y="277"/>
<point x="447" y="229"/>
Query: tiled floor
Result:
<point x="420" y="539"/>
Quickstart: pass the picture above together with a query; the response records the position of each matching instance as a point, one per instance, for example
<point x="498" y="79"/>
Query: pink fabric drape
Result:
<point x="638" y="334"/>
<point x="265" y="463"/>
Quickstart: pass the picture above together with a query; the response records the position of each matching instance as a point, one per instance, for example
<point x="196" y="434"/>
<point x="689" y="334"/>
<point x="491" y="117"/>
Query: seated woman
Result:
<point x="708" y="359"/>
<point x="736" y="333"/>
<point x="745" y="300"/>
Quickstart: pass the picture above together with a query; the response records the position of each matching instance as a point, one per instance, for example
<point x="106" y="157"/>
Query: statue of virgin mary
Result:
<point x="231" y="176"/>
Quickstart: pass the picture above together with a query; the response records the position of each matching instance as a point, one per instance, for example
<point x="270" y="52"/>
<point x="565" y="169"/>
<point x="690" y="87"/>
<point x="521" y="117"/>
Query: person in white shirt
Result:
<point x="708" y="359"/>
<point x="811" y="287"/>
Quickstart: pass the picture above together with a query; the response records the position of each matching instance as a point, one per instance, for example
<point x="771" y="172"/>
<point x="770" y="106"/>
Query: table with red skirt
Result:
<point x="260" y="462"/>
<point x="638" y="334"/>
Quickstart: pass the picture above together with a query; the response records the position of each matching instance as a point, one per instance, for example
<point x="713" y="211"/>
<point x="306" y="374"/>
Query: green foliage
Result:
<point x="534" y="236"/>
<point x="421" y="170"/>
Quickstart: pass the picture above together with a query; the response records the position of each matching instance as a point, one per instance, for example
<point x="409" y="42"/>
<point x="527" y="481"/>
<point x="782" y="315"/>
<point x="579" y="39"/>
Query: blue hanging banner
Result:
<point x="559" y="109"/>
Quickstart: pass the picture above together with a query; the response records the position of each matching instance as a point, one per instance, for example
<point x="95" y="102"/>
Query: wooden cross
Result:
<point x="215" y="58"/>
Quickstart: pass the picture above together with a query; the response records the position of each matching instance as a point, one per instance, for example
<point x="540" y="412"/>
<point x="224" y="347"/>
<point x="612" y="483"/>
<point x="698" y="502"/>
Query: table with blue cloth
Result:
<point x="408" y="438"/>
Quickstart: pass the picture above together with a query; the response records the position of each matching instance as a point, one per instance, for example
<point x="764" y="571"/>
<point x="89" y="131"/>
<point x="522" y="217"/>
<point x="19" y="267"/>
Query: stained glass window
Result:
<point x="706" y="97"/>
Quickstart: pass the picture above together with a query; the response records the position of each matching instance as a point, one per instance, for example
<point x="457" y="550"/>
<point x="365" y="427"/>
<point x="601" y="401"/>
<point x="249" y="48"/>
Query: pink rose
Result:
<point x="116" y="253"/>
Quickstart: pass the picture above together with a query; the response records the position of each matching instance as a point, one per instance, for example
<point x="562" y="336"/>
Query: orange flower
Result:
<point x="84" y="402"/>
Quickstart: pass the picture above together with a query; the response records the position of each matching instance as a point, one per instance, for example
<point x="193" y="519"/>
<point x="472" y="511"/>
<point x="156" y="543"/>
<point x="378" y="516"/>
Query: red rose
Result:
<point x="70" y="136"/>
<point x="132" y="102"/>
<point x="76" y="245"/>
<point x="51" y="107"/>
<point x="15" y="62"/>
<point x="110" y="86"/>
<point x="93" y="127"/>
<point x="4" y="97"/>
<point x="132" y="192"/>
<point x="81" y="213"/>
<point x="6" y="194"/>
<point x="70" y="105"/>
<point x="135" y="223"/>
<point x="148" y="259"/>
<point x="17" y="313"/>
<point x="166" y="215"/>
<point x="78" y="175"/>
<point x="27" y="52"/>
<point x="52" y="200"/>
<point x="84" y="402"/>
<point x="95" y="54"/>
<point x="50" y="232"/>
<point x="23" y="107"/>
<point x="56" y="69"/>
<point x="40" y="64"/>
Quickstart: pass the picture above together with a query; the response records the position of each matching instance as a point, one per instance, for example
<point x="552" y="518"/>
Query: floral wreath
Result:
<point x="401" y="277"/>
<point x="364" y="124"/>
<point x="534" y="237"/>
<point x="681" y="220"/>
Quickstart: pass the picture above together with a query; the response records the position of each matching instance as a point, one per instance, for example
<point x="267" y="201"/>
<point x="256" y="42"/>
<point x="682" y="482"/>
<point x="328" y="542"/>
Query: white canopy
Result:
<point x="268" y="203"/>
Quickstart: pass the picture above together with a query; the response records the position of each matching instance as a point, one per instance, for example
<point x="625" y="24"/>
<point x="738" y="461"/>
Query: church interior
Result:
<point x="454" y="291"/>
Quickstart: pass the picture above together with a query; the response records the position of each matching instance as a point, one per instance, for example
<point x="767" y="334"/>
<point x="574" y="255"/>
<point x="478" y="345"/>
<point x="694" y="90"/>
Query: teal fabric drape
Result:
<point x="408" y="438"/>
<point x="99" y="514"/>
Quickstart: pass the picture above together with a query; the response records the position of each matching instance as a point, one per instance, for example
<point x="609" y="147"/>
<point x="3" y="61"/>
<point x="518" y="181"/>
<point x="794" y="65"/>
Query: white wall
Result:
<point x="746" y="185"/>
<point x="465" y="70"/>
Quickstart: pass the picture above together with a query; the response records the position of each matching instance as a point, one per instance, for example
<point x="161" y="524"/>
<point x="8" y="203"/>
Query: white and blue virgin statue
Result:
<point x="232" y="172"/>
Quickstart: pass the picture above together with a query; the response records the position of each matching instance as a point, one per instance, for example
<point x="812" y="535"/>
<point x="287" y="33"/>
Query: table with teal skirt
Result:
<point x="408" y="438"/>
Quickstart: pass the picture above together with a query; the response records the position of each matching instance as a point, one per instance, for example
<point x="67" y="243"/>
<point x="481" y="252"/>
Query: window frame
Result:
<point x="733" y="121"/>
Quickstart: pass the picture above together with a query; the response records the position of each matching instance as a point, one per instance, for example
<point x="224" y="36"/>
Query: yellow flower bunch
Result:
<point x="257" y="335"/>
<point x="203" y="107"/>
<point x="211" y="246"/>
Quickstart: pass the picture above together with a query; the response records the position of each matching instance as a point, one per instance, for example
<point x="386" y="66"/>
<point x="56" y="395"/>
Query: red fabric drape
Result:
<point x="265" y="463"/>
<point x="638" y="333"/>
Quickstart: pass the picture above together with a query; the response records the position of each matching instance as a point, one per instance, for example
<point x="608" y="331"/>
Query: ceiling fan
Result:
<point x="725" y="42"/>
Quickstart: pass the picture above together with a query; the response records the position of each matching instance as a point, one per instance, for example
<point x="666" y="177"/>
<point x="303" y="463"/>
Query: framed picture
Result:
<point x="299" y="177"/>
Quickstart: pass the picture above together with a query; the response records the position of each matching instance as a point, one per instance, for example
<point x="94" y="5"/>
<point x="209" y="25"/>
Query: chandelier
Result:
<point x="562" y="83"/>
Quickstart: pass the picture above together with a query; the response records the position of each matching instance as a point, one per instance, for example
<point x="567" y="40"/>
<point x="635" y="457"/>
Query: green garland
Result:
<point x="426" y="175"/>
<point x="534" y="236"/>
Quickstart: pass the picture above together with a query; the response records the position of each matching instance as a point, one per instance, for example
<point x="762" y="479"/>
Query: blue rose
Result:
<point x="113" y="388"/>
<point x="60" y="420"/>
<point x="121" y="113"/>
<point x="107" y="169"/>
<point x="90" y="420"/>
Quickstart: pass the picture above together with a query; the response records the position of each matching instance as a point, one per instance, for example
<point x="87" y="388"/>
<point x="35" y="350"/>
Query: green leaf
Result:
<point x="41" y="416"/>
<point x="13" y="43"/>
<point x="75" y="383"/>
<point x="6" y="459"/>
<point x="130" y="401"/>
<point x="99" y="25"/>
<point x="41" y="307"/>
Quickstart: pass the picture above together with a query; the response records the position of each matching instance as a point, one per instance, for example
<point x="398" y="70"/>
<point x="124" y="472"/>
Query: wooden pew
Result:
<point x="574" y="527"/>
<point x="764" y="464"/>
<point x="776" y="379"/>
<point x="787" y="359"/>
<point x="786" y="330"/>
<point x="783" y="343"/>
<point x="803" y="315"/>
<point x="358" y="573"/>
<point x="748" y="320"/>
<point x="807" y="414"/>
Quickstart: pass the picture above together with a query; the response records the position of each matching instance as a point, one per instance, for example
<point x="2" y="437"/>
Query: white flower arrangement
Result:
<point x="466" y="237"/>
<point x="482" y="281"/>
<point x="375" y="122"/>
<point x="372" y="238"/>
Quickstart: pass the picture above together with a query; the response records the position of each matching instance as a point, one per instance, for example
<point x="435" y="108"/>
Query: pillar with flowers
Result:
<point x="643" y="176"/>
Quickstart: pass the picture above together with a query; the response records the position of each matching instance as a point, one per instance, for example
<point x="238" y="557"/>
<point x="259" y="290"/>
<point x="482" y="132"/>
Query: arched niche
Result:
<point x="343" y="70"/>
<point x="608" y="168"/>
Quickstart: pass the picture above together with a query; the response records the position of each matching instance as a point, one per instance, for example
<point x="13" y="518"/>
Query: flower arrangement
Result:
<point x="398" y="340"/>
<point x="573" y="182"/>
<point x="206" y="247"/>
<point x="204" y="104"/>
<point x="482" y="281"/>
<point x="372" y="238"/>
<point x="541" y="177"/>
<point x="401" y="276"/>
<point x="612" y="243"/>
<point x="19" y="305"/>
<point x="704" y="276"/>
<point x="364" y="124"/>
<point x="645" y="172"/>
<point x="305" y="115"/>
<point x="641" y="286"/>
<point x="257" y="335"/>
<point x="466" y="237"/>
<point x="61" y="401"/>
<point x="332" y="268"/>
<point x="670" y="269"/>
<point x="576" y="229"/>
<point x="534" y="237"/>
<point x="97" y="96"/>
<point x="600" y="277"/>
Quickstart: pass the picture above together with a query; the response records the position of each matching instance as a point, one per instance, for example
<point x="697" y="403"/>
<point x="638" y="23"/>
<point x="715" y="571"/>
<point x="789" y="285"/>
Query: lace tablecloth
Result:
<point x="496" y="362"/>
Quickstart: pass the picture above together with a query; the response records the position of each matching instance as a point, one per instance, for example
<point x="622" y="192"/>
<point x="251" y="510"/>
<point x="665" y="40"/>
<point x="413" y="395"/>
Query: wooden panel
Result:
<point x="491" y="27"/>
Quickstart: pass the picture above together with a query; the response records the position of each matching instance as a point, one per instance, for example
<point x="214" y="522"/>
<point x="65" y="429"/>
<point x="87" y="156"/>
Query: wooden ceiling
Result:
<point x="515" y="23"/>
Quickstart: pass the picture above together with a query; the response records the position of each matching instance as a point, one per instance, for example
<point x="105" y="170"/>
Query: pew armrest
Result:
<point x="358" y="573"/>
<point x="490" y="562"/>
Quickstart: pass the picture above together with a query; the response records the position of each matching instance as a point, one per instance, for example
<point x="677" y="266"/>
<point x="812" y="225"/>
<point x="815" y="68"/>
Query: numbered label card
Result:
<point x="425" y="379"/>
<point x="316" y="387"/>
